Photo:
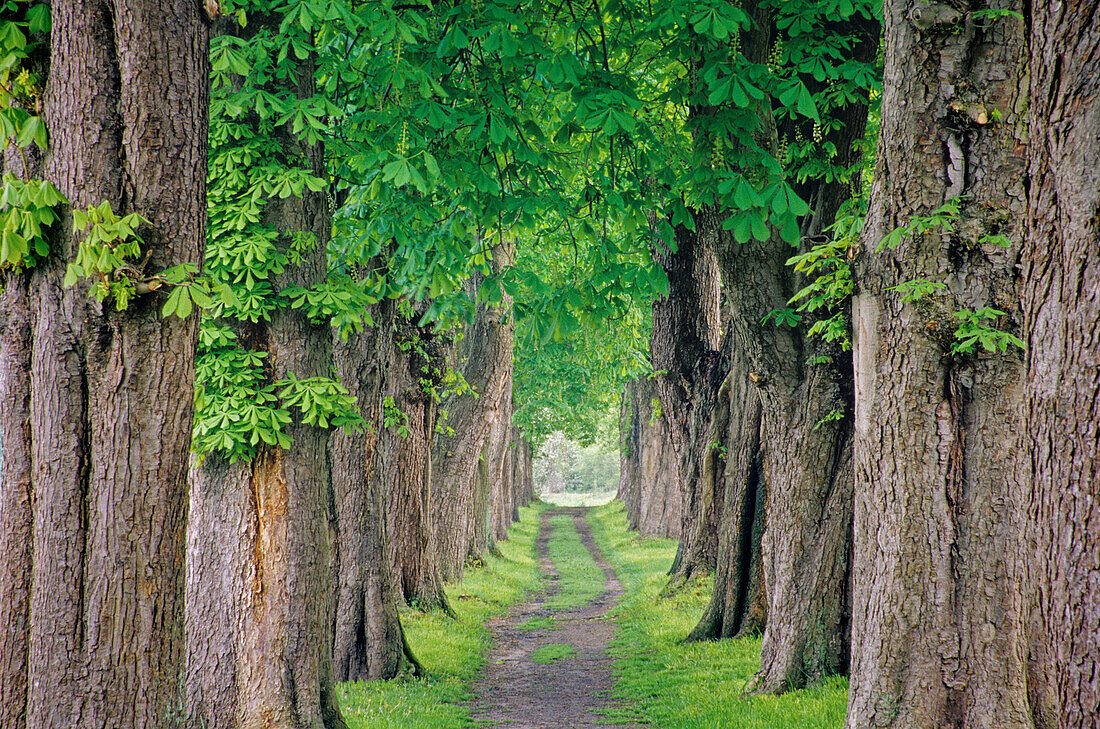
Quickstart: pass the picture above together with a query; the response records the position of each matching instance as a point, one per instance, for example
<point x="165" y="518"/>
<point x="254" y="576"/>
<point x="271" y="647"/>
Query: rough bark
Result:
<point x="1061" y="304"/>
<point x="260" y="602"/>
<point x="523" y="483"/>
<point x="649" y="485"/>
<point x="804" y="388"/>
<point x="500" y="469"/>
<point x="690" y="370"/>
<point x="96" y="404"/>
<point x="738" y="605"/>
<point x="936" y="626"/>
<point x="369" y="642"/>
<point x="459" y="495"/>
<point x="415" y="367"/>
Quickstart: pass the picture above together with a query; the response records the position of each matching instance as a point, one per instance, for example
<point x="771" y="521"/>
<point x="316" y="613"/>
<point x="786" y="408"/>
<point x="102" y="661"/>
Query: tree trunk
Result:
<point x="261" y="556"/>
<point x="459" y="494"/>
<point x="369" y="642"/>
<point x="415" y="367"/>
<point x="738" y="605"/>
<point x="499" y="465"/>
<point x="936" y="627"/>
<point x="1061" y="272"/>
<point x="804" y="389"/>
<point x="522" y="477"/>
<point x="93" y="498"/>
<point x="690" y="370"/>
<point x="648" y="481"/>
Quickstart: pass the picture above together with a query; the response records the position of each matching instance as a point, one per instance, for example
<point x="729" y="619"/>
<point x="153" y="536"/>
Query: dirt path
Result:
<point x="515" y="691"/>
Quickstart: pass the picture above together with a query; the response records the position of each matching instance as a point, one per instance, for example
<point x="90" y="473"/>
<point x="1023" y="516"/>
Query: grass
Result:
<point x="452" y="651"/>
<point x="581" y="579"/>
<point x="668" y="684"/>
<point x="546" y="623"/>
<point x="552" y="652"/>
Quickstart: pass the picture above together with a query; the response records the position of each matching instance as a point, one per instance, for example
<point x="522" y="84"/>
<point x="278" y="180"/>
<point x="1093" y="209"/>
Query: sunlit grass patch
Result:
<point x="581" y="578"/>
<point x="452" y="651"/>
<point x="542" y="623"/>
<point x="552" y="652"/>
<point x="672" y="685"/>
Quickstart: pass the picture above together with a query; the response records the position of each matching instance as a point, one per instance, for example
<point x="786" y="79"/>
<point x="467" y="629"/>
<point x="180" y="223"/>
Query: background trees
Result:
<point x="432" y="223"/>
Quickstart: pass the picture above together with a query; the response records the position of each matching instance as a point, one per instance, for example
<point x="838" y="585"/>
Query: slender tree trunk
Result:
<point x="261" y="553"/>
<point x="499" y="465"/>
<point x="459" y="485"/>
<point x="522" y="476"/>
<point x="93" y="497"/>
<point x="369" y="641"/>
<point x="648" y="473"/>
<point x="416" y="367"/>
<point x="1061" y="276"/>
<point x="937" y="622"/>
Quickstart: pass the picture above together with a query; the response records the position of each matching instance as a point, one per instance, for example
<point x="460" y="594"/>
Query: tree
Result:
<point x="369" y="640"/>
<point x="96" y="411"/>
<point x="1060" y="306"/>
<point x="261" y="556"/>
<point x="937" y="625"/>
<point x="461" y="484"/>
<point x="415" y="365"/>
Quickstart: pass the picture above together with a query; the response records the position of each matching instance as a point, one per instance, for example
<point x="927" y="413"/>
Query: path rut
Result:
<point x="516" y="692"/>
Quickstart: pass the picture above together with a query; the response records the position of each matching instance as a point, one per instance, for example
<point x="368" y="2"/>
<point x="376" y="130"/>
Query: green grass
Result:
<point x="546" y="623"/>
<point x="452" y="651"/>
<point x="581" y="579"/>
<point x="552" y="652"/>
<point x="698" y="686"/>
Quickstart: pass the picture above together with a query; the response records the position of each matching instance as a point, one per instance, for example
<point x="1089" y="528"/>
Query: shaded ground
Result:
<point x="517" y="691"/>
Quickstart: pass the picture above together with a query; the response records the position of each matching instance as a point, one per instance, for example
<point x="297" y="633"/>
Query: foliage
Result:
<point x="28" y="207"/>
<point x="674" y="685"/>
<point x="975" y="327"/>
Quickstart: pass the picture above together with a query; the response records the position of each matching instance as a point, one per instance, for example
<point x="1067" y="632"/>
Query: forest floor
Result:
<point x="549" y="666"/>
<point x="568" y="626"/>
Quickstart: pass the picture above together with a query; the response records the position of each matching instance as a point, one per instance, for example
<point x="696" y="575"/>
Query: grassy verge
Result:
<point x="581" y="578"/>
<point x="670" y="685"/>
<point x="452" y="651"/>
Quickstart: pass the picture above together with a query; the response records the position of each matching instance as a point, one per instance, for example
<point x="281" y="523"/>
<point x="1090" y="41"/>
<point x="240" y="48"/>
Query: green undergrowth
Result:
<point x="581" y="580"/>
<point x="551" y="653"/>
<point x="668" y="684"/>
<point x="452" y="651"/>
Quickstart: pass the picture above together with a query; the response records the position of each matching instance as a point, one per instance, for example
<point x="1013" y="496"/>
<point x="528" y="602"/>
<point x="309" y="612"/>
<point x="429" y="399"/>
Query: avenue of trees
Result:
<point x="295" y="290"/>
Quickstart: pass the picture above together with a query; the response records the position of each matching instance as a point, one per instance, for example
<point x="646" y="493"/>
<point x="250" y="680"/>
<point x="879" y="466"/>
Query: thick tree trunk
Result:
<point x="261" y="555"/>
<point x="648" y="474"/>
<point x="937" y="623"/>
<point x="738" y="605"/>
<point x="1061" y="302"/>
<point x="690" y="370"/>
<point x="415" y="366"/>
<point x="369" y="641"/>
<point x="460" y="496"/>
<point x="804" y="475"/>
<point x="93" y="498"/>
